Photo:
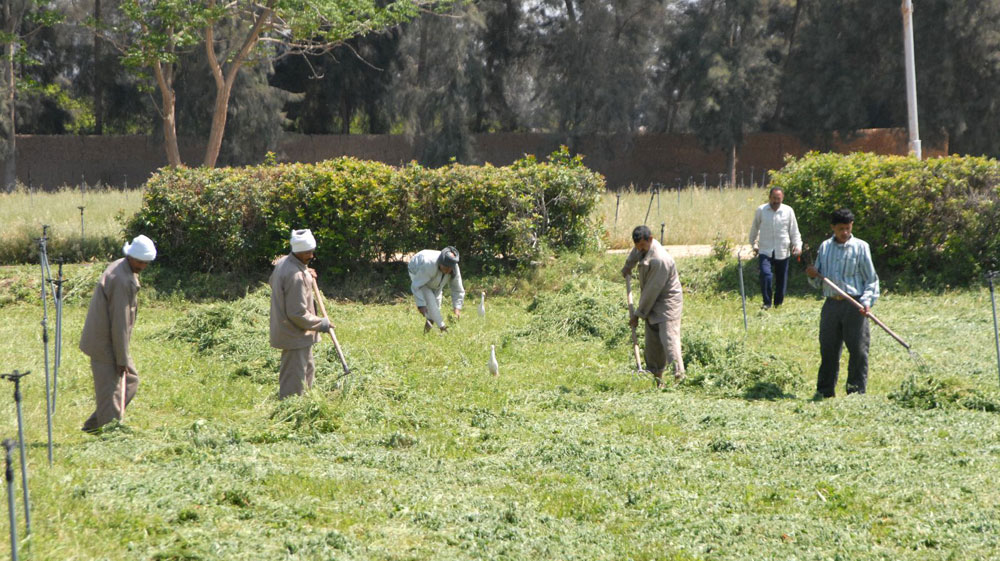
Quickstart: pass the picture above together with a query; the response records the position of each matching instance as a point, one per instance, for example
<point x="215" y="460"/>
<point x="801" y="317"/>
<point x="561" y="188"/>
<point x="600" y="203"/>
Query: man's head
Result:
<point x="775" y="197"/>
<point x="447" y="260"/>
<point x="303" y="245"/>
<point x="842" y="222"/>
<point x="642" y="237"/>
<point x="140" y="253"/>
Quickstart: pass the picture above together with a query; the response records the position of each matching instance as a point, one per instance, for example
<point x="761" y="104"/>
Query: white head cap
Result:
<point x="302" y="240"/>
<point x="141" y="248"/>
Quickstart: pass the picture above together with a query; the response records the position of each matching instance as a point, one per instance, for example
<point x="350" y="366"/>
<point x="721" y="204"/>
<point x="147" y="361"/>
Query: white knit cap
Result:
<point x="302" y="240"/>
<point x="141" y="248"/>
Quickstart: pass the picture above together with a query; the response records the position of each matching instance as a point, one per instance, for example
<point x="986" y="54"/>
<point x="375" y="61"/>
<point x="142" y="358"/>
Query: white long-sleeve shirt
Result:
<point x="778" y="231"/>
<point x="424" y="273"/>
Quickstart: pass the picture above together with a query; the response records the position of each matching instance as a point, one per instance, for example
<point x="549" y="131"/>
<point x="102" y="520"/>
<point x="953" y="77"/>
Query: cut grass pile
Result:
<point x="421" y="454"/>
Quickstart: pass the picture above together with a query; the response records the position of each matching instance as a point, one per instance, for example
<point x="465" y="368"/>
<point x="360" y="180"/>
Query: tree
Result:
<point x="156" y="33"/>
<point x="731" y="70"/>
<point x="13" y="15"/>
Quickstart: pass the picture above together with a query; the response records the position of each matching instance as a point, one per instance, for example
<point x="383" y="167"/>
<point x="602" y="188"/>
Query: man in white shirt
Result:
<point x="774" y="236"/>
<point x="430" y="270"/>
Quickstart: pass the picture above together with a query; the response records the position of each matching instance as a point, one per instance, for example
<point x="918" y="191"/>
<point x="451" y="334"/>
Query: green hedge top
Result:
<point x="936" y="220"/>
<point x="239" y="219"/>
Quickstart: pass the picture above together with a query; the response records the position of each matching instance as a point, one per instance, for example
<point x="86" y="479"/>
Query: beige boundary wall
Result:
<point x="49" y="162"/>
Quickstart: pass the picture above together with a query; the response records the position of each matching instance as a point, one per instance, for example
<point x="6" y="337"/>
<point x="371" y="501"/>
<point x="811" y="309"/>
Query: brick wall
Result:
<point x="49" y="162"/>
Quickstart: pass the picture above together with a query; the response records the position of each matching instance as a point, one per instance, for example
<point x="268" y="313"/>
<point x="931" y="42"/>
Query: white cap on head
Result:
<point x="141" y="248"/>
<point x="303" y="240"/>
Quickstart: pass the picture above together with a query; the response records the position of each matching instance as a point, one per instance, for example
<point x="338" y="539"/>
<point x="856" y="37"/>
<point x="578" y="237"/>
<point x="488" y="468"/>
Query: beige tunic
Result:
<point x="293" y="312"/>
<point x="661" y="299"/>
<point x="108" y="328"/>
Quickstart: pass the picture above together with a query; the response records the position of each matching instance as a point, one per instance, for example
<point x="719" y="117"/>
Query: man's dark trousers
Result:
<point x="773" y="272"/>
<point x="840" y="323"/>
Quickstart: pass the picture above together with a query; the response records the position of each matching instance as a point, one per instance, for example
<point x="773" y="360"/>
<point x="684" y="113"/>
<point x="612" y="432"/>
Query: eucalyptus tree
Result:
<point x="155" y="34"/>
<point x="14" y="15"/>
<point x="594" y="60"/>
<point x="725" y="61"/>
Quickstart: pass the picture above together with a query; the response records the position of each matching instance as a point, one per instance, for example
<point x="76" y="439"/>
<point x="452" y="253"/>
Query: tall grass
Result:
<point x="24" y="212"/>
<point x="696" y="216"/>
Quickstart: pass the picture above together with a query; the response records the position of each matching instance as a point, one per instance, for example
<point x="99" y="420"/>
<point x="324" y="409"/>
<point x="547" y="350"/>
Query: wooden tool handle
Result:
<point x="333" y="336"/>
<point x="861" y="307"/>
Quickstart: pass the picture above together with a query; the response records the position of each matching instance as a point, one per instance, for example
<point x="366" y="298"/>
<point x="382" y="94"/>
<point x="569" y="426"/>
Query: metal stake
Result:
<point x="81" y="224"/>
<point x="663" y="225"/>
<point x="996" y="335"/>
<point x="8" y="445"/>
<point x="650" y="207"/>
<point x="58" y="344"/>
<point x="43" y="259"/>
<point x="618" y="200"/>
<point x="743" y="294"/>
<point x="16" y="378"/>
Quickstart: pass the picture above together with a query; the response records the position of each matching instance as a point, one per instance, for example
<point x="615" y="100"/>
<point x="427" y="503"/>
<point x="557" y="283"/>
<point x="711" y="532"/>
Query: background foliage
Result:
<point x="936" y="220"/>
<point x="240" y="218"/>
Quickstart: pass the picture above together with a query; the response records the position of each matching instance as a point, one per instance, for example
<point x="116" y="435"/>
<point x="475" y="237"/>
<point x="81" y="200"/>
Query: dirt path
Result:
<point x="697" y="250"/>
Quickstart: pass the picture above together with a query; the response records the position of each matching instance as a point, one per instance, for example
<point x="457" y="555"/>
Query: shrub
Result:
<point x="937" y="219"/>
<point x="238" y="219"/>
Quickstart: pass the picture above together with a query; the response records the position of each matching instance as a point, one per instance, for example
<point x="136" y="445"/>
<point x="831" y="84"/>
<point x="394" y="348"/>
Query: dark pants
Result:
<point x="840" y="324"/>
<point x="773" y="272"/>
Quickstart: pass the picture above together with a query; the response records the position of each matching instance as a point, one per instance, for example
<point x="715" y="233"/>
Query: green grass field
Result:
<point x="567" y="454"/>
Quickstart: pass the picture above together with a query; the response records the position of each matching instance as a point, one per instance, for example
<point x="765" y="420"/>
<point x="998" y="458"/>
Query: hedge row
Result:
<point x="238" y="219"/>
<point x="936" y="220"/>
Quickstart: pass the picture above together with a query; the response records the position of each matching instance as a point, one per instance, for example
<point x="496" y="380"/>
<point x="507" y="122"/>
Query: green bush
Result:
<point x="937" y="220"/>
<point x="238" y="219"/>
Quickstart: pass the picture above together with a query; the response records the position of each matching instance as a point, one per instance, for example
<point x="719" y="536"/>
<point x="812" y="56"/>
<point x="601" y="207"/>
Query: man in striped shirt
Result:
<point x="847" y="262"/>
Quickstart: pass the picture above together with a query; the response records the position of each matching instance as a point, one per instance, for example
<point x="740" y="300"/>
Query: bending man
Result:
<point x="430" y="270"/>
<point x="295" y="327"/>
<point x="107" y="331"/>
<point x="660" y="303"/>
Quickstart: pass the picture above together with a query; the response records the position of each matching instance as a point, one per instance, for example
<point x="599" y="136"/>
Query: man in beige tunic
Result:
<point x="660" y="303"/>
<point x="295" y="327"/>
<point x="107" y="331"/>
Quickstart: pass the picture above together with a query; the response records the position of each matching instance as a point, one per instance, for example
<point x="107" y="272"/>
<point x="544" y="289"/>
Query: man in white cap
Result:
<point x="295" y="327"/>
<point x="430" y="270"/>
<point x="107" y="331"/>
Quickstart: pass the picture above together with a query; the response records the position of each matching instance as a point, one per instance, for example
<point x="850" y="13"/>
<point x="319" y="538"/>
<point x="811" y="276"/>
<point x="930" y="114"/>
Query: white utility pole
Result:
<point x="911" y="78"/>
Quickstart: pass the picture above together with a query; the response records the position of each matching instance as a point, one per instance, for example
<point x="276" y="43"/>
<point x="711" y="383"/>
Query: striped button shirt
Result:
<point x="849" y="266"/>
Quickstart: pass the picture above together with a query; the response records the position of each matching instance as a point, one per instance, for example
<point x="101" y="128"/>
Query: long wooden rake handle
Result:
<point x="124" y="386"/>
<point x="333" y="336"/>
<point x="861" y="307"/>
<point x="631" y="310"/>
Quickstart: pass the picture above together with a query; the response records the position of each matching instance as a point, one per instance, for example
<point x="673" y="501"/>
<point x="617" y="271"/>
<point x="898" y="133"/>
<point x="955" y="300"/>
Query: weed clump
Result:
<point x="588" y="307"/>
<point x="943" y="392"/>
<point x="734" y="369"/>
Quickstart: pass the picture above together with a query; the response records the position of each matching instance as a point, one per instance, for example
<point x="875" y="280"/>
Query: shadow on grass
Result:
<point x="766" y="391"/>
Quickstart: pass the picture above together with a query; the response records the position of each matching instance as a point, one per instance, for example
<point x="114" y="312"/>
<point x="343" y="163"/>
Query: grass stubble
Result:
<point x="567" y="454"/>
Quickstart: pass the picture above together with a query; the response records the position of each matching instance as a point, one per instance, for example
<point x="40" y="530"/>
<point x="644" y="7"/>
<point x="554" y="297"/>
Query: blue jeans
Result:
<point x="773" y="272"/>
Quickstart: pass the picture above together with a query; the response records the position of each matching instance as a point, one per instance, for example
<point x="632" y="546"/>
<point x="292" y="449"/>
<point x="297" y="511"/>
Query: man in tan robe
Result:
<point x="107" y="332"/>
<point x="295" y="327"/>
<point x="660" y="303"/>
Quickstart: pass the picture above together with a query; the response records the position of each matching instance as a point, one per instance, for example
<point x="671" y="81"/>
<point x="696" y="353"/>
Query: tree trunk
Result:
<point x="165" y="81"/>
<point x="731" y="164"/>
<point x="224" y="80"/>
<point x="8" y="129"/>
<point x="98" y="75"/>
